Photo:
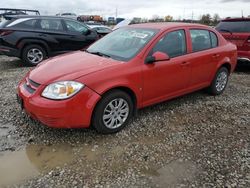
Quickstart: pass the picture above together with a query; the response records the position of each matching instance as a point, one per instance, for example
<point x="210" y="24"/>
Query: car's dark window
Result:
<point x="104" y="29"/>
<point x="234" y="26"/>
<point x="214" y="39"/>
<point x="27" y="24"/>
<point x="51" y="24"/>
<point x="200" y="39"/>
<point x="75" y="26"/>
<point x="173" y="44"/>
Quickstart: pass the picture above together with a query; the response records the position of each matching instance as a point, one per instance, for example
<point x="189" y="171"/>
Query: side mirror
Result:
<point x="88" y="32"/>
<point x="157" y="56"/>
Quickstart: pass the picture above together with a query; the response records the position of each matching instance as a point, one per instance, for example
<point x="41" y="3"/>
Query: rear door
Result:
<point x="52" y="31"/>
<point x="205" y="57"/>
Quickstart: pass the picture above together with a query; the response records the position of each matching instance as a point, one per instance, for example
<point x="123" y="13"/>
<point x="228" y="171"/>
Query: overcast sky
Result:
<point x="136" y="8"/>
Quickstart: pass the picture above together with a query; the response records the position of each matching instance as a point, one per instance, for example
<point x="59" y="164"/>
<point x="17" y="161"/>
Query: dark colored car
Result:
<point x="237" y="31"/>
<point x="102" y="30"/>
<point x="34" y="38"/>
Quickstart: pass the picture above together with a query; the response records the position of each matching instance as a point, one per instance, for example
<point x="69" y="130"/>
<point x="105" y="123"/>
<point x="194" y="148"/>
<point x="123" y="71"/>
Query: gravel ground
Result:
<point x="192" y="141"/>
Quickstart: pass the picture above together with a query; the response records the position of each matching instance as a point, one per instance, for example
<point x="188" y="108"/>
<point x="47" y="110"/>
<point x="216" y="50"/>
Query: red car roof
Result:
<point x="166" y="25"/>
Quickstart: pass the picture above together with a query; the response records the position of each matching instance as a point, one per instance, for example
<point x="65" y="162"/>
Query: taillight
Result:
<point x="5" y="32"/>
<point x="248" y="40"/>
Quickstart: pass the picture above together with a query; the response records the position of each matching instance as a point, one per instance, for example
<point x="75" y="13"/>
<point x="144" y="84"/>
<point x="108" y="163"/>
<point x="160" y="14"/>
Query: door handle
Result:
<point x="185" y="63"/>
<point x="42" y="35"/>
<point x="216" y="55"/>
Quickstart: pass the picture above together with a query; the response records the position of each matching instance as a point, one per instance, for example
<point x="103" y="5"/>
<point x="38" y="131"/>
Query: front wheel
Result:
<point x="113" y="112"/>
<point x="220" y="82"/>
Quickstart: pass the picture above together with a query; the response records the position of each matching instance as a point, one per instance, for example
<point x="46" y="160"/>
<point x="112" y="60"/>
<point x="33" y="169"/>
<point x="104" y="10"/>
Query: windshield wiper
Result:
<point x="98" y="53"/>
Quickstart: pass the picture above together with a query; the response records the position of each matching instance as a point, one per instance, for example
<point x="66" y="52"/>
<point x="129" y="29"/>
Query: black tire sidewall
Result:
<point x="213" y="89"/>
<point x="25" y="52"/>
<point x="97" y="120"/>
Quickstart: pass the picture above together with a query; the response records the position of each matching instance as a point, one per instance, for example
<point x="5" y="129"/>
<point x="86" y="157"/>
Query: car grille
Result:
<point x="31" y="86"/>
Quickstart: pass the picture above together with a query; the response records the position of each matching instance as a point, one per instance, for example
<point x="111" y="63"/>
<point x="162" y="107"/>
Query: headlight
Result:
<point x="62" y="90"/>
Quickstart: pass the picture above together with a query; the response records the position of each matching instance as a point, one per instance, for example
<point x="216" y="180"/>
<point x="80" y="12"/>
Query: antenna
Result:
<point x="242" y="14"/>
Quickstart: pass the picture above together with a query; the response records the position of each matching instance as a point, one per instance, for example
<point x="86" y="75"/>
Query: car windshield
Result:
<point x="123" y="44"/>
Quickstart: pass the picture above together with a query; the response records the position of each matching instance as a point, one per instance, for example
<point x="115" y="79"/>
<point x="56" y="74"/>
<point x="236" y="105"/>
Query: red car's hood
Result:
<point x="69" y="67"/>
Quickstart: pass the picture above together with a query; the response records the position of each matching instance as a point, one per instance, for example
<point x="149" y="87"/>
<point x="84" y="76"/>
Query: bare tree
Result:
<point x="216" y="19"/>
<point x="206" y="19"/>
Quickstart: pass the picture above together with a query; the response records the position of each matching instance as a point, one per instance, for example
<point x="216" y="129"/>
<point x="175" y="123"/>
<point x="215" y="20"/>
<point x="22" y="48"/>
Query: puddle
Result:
<point x="173" y="174"/>
<point x="30" y="162"/>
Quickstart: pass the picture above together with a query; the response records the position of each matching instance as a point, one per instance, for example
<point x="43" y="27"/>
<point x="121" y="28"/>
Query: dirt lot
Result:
<point x="193" y="141"/>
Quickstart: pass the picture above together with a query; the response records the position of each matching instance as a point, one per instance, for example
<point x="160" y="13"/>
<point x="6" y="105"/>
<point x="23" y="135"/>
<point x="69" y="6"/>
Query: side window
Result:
<point x="27" y="24"/>
<point x="173" y="44"/>
<point x="200" y="39"/>
<point x="51" y="24"/>
<point x="214" y="40"/>
<point x="75" y="26"/>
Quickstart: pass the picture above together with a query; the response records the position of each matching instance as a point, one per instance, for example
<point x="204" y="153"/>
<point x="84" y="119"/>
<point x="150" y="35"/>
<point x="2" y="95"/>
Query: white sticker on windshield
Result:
<point x="140" y="35"/>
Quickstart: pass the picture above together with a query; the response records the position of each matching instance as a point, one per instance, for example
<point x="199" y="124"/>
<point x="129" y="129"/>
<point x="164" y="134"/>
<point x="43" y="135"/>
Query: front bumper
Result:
<point x="75" y="112"/>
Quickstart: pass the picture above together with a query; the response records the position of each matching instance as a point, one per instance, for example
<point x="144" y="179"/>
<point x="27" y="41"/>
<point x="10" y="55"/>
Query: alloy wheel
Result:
<point x="35" y="55"/>
<point x="115" y="113"/>
<point x="221" y="81"/>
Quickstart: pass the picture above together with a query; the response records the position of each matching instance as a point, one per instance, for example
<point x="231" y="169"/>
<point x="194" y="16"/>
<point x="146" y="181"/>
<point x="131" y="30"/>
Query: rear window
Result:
<point x="27" y="24"/>
<point x="234" y="26"/>
<point x="21" y="23"/>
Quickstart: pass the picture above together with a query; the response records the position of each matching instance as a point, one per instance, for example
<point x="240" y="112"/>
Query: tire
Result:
<point x="33" y="54"/>
<point x="119" y="116"/>
<point x="219" y="82"/>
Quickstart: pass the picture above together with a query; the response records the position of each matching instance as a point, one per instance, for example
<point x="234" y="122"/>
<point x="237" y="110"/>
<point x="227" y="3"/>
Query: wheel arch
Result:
<point x="24" y="43"/>
<point x="227" y="65"/>
<point x="125" y="89"/>
<point x="225" y="62"/>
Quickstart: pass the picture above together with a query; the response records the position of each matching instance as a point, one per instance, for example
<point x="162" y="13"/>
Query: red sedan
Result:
<point x="131" y="68"/>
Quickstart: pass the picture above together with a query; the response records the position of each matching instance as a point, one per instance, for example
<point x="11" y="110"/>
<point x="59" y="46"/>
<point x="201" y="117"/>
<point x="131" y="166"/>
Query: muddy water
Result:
<point x="30" y="162"/>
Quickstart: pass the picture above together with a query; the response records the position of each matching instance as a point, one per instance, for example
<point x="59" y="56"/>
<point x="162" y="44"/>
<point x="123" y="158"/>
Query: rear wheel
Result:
<point x="33" y="54"/>
<point x="220" y="82"/>
<point x="113" y="112"/>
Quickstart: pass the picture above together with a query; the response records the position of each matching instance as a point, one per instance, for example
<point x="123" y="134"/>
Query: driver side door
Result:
<point x="169" y="78"/>
<point x="78" y="36"/>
